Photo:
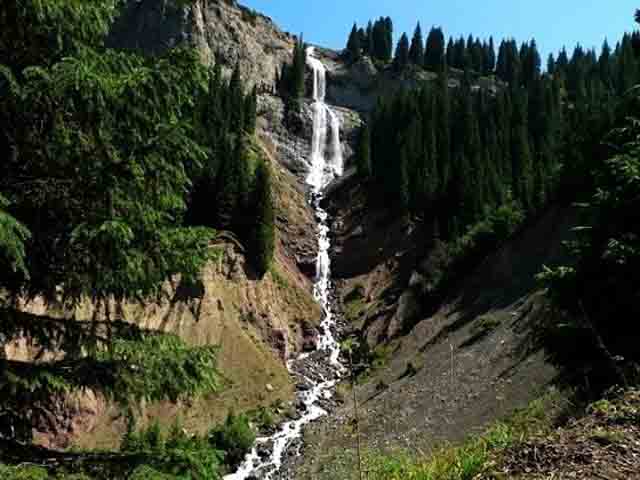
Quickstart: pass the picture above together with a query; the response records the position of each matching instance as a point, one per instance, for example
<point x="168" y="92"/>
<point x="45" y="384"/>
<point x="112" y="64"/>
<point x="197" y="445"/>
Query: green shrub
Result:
<point x="166" y="457"/>
<point x="235" y="438"/>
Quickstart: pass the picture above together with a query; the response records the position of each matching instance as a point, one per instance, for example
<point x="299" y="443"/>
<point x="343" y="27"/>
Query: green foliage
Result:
<point x="154" y="367"/>
<point x="449" y="158"/>
<point x="28" y="472"/>
<point x="607" y="262"/>
<point x="112" y="224"/>
<point x="175" y="456"/>
<point x="235" y="437"/>
<point x="354" y="47"/>
<point x="448" y="262"/>
<point x="401" y="57"/>
<point x="263" y="417"/>
<point x="163" y="366"/>
<point x="290" y="81"/>
<point x="23" y="473"/>
<point x="363" y="152"/>
<point x="376" y="41"/>
<point x="475" y="456"/>
<point x="12" y="238"/>
<point x="263" y="230"/>
<point x="40" y="32"/>
<point x="416" y="51"/>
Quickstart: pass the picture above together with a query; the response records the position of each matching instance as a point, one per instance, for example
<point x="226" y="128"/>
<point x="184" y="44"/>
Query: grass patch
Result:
<point x="476" y="455"/>
<point x="378" y="359"/>
<point x="279" y="279"/>
<point x="486" y="324"/>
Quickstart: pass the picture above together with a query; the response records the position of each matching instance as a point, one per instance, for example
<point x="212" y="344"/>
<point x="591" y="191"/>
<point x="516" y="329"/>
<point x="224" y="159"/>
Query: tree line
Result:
<point x="452" y="152"/>
<point x="450" y="155"/>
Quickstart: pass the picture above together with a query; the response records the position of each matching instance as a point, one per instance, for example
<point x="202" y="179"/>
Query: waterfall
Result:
<point x="326" y="163"/>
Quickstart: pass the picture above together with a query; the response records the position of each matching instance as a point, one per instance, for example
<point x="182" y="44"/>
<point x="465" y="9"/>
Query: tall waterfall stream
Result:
<point x="326" y="163"/>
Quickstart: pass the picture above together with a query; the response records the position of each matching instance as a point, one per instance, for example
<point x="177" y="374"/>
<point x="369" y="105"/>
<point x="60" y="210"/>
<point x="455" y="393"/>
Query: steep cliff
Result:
<point x="222" y="31"/>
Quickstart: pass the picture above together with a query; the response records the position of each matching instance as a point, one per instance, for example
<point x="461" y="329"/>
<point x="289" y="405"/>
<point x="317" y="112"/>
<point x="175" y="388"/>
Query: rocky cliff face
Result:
<point x="222" y="30"/>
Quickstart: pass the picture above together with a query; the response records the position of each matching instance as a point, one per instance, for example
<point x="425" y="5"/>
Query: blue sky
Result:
<point x="553" y="23"/>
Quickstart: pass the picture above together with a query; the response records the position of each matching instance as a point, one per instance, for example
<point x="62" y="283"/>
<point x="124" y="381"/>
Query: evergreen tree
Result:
<point x="450" y="55"/>
<point x="416" y="51"/>
<point x="298" y="69"/>
<point x="435" y="50"/>
<point x="228" y="187"/>
<point x="241" y="213"/>
<point x="263" y="237"/>
<point x="388" y="39"/>
<point x="291" y="79"/>
<point x="251" y="111"/>
<point x="491" y="57"/>
<point x="354" y="48"/>
<point x="604" y="66"/>
<point x="370" y="46"/>
<point x="401" y="58"/>
<point x="551" y="64"/>
<point x="236" y="100"/>
<point x="627" y="66"/>
<point x="363" y="153"/>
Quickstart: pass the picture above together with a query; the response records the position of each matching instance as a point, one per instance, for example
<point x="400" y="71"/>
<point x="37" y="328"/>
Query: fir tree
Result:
<point x="491" y="57"/>
<point x="363" y="154"/>
<point x="251" y="110"/>
<point x="370" y="46"/>
<point x="435" y="50"/>
<point x="388" y="39"/>
<point x="236" y="100"/>
<point x="263" y="233"/>
<point x="416" y="51"/>
<point x="354" y="48"/>
<point x="401" y="58"/>
<point x="551" y="64"/>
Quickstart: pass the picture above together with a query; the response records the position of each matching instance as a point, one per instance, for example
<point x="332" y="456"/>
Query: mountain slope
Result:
<point x="435" y="376"/>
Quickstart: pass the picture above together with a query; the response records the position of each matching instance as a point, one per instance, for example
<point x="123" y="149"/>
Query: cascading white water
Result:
<point x="326" y="164"/>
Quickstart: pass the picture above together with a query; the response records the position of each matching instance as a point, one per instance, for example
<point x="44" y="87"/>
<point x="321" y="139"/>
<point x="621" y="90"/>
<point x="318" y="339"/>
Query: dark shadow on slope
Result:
<point x="507" y="277"/>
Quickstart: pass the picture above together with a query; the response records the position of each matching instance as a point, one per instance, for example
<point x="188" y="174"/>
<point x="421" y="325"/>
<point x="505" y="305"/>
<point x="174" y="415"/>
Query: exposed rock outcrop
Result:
<point x="222" y="30"/>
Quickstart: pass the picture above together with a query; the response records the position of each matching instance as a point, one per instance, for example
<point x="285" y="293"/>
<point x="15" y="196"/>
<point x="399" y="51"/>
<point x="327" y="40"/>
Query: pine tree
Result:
<point x="491" y="57"/>
<point x="236" y="100"/>
<point x="388" y="39"/>
<point x="450" y="55"/>
<point x="354" y="48"/>
<point x="551" y="64"/>
<point x="241" y="214"/>
<point x="435" y="50"/>
<point x="627" y="66"/>
<point x="228" y="187"/>
<point x="604" y="66"/>
<point x="298" y="69"/>
<point x="416" y="51"/>
<point x="363" y="153"/>
<point x="263" y="235"/>
<point x="370" y="45"/>
<point x="251" y="111"/>
<point x="401" y="58"/>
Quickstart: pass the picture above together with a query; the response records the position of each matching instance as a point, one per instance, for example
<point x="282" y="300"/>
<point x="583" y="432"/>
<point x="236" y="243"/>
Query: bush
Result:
<point x="235" y="437"/>
<point x="167" y="456"/>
